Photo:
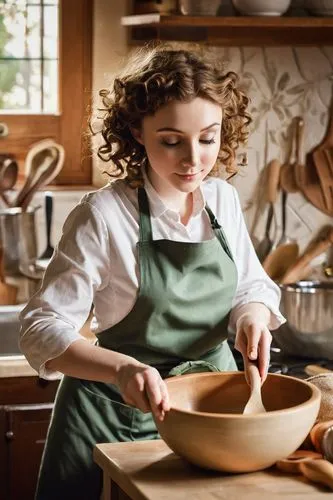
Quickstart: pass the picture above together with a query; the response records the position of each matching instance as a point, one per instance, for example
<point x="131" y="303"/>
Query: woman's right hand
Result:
<point x="143" y="387"/>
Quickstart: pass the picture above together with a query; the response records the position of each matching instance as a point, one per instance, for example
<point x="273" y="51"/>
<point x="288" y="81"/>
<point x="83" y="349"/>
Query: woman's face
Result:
<point x="182" y="141"/>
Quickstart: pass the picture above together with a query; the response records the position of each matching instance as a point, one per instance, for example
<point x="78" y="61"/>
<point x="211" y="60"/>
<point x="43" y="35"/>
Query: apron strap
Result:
<point x="146" y="233"/>
<point x="219" y="233"/>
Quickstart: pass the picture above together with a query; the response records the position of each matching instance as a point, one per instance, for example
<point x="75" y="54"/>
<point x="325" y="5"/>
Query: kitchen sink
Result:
<point x="9" y="330"/>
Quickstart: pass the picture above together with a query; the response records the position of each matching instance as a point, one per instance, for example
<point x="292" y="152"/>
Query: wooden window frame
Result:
<point x="70" y="126"/>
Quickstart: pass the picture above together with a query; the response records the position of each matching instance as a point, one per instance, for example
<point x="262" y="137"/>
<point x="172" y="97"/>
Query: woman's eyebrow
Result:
<point x="170" y="129"/>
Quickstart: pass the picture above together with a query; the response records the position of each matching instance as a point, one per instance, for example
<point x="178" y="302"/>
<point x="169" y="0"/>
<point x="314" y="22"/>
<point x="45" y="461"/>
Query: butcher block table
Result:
<point x="149" y="470"/>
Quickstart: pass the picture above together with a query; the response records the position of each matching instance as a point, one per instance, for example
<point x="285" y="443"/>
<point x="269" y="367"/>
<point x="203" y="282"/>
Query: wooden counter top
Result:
<point x="18" y="366"/>
<point x="15" y="366"/>
<point x="149" y="470"/>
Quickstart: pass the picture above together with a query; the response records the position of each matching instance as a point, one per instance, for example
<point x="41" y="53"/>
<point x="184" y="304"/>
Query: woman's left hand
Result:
<point x="253" y="339"/>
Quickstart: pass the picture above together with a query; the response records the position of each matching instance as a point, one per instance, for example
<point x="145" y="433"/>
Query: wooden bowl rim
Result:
<point x="316" y="395"/>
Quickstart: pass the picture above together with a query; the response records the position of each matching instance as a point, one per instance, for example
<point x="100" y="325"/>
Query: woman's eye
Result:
<point x="208" y="141"/>
<point x="170" y="143"/>
<point x="174" y="142"/>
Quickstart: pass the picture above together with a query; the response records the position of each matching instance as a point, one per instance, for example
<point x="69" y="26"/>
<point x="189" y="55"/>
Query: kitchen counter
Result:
<point x="149" y="470"/>
<point x="15" y="366"/>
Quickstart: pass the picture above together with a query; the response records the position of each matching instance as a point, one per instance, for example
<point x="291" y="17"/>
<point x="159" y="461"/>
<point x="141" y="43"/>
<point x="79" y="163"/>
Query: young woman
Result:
<point x="164" y="256"/>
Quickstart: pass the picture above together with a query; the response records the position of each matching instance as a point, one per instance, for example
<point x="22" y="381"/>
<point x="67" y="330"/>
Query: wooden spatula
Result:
<point x="254" y="404"/>
<point x="315" y="179"/>
<point x="8" y="293"/>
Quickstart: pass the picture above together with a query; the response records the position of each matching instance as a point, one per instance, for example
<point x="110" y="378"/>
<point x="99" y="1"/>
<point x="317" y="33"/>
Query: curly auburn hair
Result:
<point x="151" y="79"/>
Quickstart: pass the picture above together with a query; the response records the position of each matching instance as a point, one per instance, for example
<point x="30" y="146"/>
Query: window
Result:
<point x="45" y="79"/>
<point x="29" y="35"/>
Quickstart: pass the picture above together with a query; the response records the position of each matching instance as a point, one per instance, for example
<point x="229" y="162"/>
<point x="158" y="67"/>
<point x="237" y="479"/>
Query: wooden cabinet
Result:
<point x="25" y="410"/>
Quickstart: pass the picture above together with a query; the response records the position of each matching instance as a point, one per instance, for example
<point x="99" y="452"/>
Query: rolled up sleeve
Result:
<point x="53" y="317"/>
<point x="254" y="285"/>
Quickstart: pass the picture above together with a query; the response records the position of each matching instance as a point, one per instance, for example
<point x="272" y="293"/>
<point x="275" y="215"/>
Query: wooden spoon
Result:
<point x="46" y="175"/>
<point x="254" y="404"/>
<point x="287" y="177"/>
<point x="273" y="174"/>
<point x="280" y="260"/>
<point x="309" y="463"/>
<point x="8" y="293"/>
<point x="315" y="249"/>
<point x="36" y="162"/>
<point x="8" y="178"/>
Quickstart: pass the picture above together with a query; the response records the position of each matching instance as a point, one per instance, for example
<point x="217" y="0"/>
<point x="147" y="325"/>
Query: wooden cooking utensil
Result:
<point x="315" y="179"/>
<point x="309" y="463"/>
<point x="317" y="248"/>
<point x="280" y="260"/>
<point x="323" y="160"/>
<point x="39" y="182"/>
<point x="273" y="174"/>
<point x="309" y="184"/>
<point x="8" y="177"/>
<point x="287" y="177"/>
<point x="254" y="404"/>
<point x="37" y="160"/>
<point x="315" y="370"/>
<point x="8" y="293"/>
<point x="283" y="257"/>
<point x="46" y="174"/>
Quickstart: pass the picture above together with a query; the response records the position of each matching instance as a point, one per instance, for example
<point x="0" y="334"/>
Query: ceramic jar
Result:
<point x="319" y="7"/>
<point x="261" y="7"/>
<point x="198" y="7"/>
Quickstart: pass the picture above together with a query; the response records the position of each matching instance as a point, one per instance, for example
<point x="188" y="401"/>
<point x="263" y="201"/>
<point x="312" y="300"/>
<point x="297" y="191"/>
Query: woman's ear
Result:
<point x="137" y="134"/>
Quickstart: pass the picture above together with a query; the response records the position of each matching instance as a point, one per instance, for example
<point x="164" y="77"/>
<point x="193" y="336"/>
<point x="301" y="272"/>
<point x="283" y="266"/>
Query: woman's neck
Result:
<point x="174" y="199"/>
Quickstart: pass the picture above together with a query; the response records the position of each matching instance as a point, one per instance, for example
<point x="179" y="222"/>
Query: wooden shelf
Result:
<point x="231" y="31"/>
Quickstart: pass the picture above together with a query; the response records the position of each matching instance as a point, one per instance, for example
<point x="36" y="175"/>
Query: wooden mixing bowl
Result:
<point x="205" y="424"/>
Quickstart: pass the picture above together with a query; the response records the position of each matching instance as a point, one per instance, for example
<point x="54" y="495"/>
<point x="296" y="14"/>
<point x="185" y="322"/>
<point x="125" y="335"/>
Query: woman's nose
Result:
<point x="191" y="157"/>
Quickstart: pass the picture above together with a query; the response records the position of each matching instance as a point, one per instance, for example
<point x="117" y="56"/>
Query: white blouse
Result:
<point x="96" y="262"/>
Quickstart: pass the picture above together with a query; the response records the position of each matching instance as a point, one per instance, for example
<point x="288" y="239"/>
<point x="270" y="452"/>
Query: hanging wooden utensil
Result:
<point x="287" y="177"/>
<point x="280" y="260"/>
<point x="45" y="175"/>
<point x="315" y="179"/>
<point x="8" y="178"/>
<point x="286" y="252"/>
<point x="323" y="161"/>
<point x="273" y="174"/>
<point x="315" y="249"/>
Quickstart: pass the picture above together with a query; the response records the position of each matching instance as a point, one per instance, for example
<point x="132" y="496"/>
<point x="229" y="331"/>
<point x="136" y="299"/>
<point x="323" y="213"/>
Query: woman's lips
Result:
<point x="188" y="177"/>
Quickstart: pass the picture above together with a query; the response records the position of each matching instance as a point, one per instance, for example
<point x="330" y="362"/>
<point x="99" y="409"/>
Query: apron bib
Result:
<point x="178" y="324"/>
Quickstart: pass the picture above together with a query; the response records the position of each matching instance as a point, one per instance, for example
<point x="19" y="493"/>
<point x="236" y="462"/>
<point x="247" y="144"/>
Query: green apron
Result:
<point x="178" y="324"/>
